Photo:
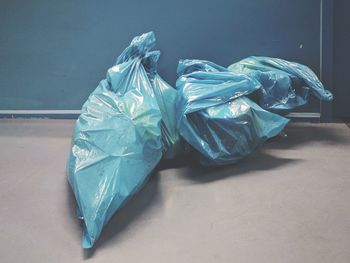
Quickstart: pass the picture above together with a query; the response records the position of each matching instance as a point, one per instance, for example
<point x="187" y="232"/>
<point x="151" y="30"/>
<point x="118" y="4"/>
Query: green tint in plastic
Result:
<point x="123" y="130"/>
<point x="284" y="85"/>
<point x="216" y="117"/>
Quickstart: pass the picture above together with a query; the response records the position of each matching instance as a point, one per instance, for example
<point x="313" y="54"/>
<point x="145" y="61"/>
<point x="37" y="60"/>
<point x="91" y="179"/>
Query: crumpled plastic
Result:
<point x="215" y="116"/>
<point x="284" y="85"/>
<point x="124" y="129"/>
<point x="166" y="98"/>
<point x="134" y="118"/>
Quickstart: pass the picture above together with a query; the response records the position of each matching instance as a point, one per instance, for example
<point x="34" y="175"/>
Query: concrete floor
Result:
<point x="288" y="202"/>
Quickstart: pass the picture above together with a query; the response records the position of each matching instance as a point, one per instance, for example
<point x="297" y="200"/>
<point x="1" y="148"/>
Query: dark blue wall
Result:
<point x="54" y="53"/>
<point x="341" y="67"/>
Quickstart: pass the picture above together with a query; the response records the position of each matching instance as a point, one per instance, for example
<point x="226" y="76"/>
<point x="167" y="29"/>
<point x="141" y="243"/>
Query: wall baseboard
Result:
<point x="49" y="114"/>
<point x="304" y="115"/>
<point x="74" y="114"/>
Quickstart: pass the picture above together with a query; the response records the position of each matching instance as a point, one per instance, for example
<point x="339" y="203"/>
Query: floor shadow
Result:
<point x="258" y="161"/>
<point x="299" y="134"/>
<point x="179" y="162"/>
<point x="347" y="122"/>
<point x="150" y="194"/>
<point x="147" y="197"/>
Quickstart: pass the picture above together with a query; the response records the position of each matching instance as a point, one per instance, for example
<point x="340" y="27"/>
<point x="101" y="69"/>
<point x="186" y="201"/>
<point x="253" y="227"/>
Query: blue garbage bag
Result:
<point x="284" y="85"/>
<point x="216" y="117"/>
<point x="123" y="130"/>
<point x="166" y="99"/>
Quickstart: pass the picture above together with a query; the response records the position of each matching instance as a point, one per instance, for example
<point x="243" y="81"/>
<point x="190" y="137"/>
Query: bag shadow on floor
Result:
<point x="148" y="197"/>
<point x="188" y="168"/>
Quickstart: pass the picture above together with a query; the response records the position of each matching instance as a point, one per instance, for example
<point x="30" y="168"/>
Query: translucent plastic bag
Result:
<point x="166" y="99"/>
<point x="120" y="136"/>
<point x="284" y="85"/>
<point x="215" y="116"/>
